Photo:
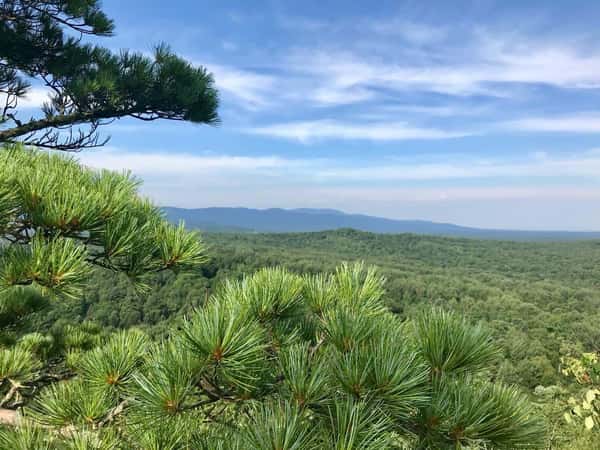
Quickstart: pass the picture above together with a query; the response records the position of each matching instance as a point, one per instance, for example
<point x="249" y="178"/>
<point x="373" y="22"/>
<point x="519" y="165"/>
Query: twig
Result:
<point x="113" y="413"/>
<point x="10" y="394"/>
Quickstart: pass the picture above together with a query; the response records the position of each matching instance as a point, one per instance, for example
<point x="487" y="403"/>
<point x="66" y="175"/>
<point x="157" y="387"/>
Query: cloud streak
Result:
<point x="306" y="131"/>
<point x="540" y="166"/>
<point x="490" y="69"/>
<point x="320" y="170"/>
<point x="168" y="164"/>
<point x="484" y="63"/>
<point x="574" y="123"/>
<point x="252" y="90"/>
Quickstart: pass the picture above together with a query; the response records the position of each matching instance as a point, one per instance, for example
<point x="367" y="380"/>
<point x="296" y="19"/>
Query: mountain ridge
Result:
<point x="279" y="220"/>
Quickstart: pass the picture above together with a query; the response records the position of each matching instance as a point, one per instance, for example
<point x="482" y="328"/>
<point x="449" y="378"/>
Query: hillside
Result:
<point x="571" y="262"/>
<point x="542" y="299"/>
<point x="276" y="220"/>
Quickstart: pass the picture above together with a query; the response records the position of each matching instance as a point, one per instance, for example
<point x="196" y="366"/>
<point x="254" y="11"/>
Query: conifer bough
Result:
<point x="59" y="219"/>
<point x="87" y="85"/>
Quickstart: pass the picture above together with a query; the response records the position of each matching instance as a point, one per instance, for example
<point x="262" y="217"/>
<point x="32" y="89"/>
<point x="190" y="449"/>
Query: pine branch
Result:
<point x="14" y="388"/>
<point x="32" y="126"/>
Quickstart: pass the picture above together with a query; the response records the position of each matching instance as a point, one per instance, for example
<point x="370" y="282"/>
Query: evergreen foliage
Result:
<point x="88" y="85"/>
<point x="58" y="221"/>
<point x="61" y="219"/>
<point x="230" y="379"/>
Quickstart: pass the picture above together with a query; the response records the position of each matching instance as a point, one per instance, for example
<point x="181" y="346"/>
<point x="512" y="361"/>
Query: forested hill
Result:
<point x="569" y="261"/>
<point x="541" y="299"/>
<point x="276" y="220"/>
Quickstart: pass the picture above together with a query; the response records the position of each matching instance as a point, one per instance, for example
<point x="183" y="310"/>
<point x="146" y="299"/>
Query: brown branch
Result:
<point x="113" y="413"/>
<point x="201" y="403"/>
<point x="37" y="125"/>
<point x="10" y="394"/>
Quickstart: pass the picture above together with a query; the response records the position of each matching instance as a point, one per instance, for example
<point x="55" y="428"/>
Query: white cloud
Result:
<point x="448" y="110"/>
<point x="478" y="65"/>
<point x="254" y="90"/>
<point x="393" y="111"/>
<point x="365" y="195"/>
<point x="574" y="123"/>
<point x="417" y="33"/>
<point x="305" y="131"/>
<point x="586" y="165"/>
<point x="333" y="95"/>
<point x="528" y="60"/>
<point x="337" y="172"/>
<point x="178" y="164"/>
<point x="458" y="62"/>
<point x="35" y="98"/>
<point x="251" y="89"/>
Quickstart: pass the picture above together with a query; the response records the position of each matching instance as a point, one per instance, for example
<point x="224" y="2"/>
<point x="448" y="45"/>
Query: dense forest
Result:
<point x="540" y="300"/>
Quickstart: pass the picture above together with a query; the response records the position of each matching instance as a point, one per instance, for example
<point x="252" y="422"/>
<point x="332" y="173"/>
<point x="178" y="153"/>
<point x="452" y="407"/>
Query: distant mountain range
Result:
<point x="276" y="220"/>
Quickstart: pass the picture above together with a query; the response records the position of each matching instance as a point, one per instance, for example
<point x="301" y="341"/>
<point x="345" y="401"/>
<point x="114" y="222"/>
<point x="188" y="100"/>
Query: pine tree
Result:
<point x="57" y="221"/>
<point x="88" y="85"/>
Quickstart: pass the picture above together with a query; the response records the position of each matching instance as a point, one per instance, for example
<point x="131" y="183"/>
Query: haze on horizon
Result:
<point x="483" y="114"/>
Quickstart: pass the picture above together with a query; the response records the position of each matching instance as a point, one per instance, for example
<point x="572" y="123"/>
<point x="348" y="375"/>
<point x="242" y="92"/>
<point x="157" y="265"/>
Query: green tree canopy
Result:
<point x="88" y="85"/>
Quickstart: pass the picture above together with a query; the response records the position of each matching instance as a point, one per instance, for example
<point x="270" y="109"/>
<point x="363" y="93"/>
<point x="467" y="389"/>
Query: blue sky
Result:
<point x="478" y="113"/>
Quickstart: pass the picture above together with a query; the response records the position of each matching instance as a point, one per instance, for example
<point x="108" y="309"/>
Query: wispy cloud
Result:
<point x="414" y="32"/>
<point x="366" y="195"/>
<point x="538" y="166"/>
<point x="483" y="63"/>
<point x="178" y="164"/>
<point x="334" y="95"/>
<point x="458" y="62"/>
<point x="322" y="170"/>
<point x="252" y="90"/>
<point x="306" y="131"/>
<point x="391" y="112"/>
<point x="495" y="64"/>
<point x="574" y="123"/>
